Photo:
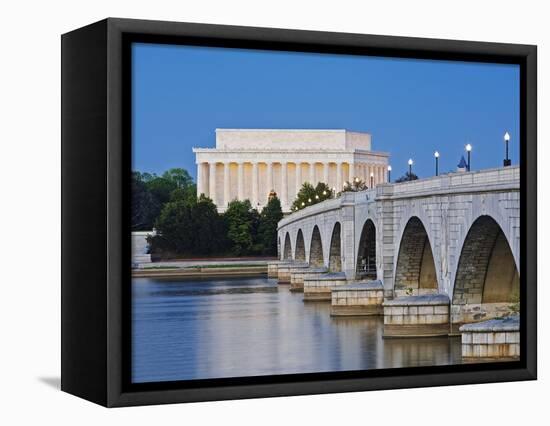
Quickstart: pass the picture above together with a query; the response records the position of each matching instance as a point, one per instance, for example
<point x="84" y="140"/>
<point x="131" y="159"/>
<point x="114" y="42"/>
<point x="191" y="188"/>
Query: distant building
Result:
<point x="251" y="163"/>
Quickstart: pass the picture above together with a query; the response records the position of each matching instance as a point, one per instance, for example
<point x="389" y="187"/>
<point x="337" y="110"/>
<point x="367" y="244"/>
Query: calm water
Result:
<point x="198" y="329"/>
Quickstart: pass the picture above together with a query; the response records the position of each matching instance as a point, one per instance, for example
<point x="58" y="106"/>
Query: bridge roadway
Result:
<point x="456" y="235"/>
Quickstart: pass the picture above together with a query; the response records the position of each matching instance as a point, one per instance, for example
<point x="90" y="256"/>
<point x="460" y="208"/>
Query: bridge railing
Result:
<point x="367" y="196"/>
<point x="482" y="179"/>
<point x="321" y="207"/>
<point x="507" y="178"/>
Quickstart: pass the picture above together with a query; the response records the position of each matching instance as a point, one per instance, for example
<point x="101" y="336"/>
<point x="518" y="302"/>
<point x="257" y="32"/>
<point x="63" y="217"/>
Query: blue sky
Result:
<point x="181" y="94"/>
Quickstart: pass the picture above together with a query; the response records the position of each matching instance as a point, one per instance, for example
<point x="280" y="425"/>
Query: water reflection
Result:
<point x="184" y="329"/>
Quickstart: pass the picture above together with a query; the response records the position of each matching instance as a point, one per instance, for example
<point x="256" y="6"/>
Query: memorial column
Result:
<point x="325" y="173"/>
<point x="338" y="177"/>
<point x="298" y="176"/>
<point x="284" y="185"/>
<point x="212" y="182"/>
<point x="240" y="180"/>
<point x="269" y="177"/>
<point x="226" y="166"/>
<point x="200" y="179"/>
<point x="254" y="184"/>
<point x="351" y="169"/>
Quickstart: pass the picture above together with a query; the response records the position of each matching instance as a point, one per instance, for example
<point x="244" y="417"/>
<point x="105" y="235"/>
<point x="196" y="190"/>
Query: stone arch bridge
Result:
<point x="456" y="234"/>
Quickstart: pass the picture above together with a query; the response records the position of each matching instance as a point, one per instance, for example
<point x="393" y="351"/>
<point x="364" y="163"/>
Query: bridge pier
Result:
<point x="284" y="269"/>
<point x="318" y="287"/>
<point x="358" y="298"/>
<point x="476" y="312"/>
<point x="497" y="338"/>
<point x="348" y="235"/>
<point x="417" y="316"/>
<point x="297" y="277"/>
<point x="273" y="268"/>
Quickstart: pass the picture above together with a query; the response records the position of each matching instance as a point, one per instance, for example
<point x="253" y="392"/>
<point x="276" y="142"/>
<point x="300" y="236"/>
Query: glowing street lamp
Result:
<point x="469" y="151"/>
<point x="507" y="161"/>
<point x="436" y="155"/>
<point x="389" y="173"/>
<point x="410" y="168"/>
<point x="371" y="179"/>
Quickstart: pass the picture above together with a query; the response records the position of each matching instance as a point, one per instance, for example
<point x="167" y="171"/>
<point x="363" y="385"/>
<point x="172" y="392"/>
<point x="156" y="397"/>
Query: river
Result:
<point x="234" y="327"/>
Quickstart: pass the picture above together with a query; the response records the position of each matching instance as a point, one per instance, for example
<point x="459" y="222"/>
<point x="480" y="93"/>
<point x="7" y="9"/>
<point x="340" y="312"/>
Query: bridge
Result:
<point x="454" y="235"/>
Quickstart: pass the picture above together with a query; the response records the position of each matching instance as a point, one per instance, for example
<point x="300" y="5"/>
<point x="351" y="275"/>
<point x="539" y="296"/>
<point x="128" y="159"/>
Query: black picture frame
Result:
<point x="96" y="143"/>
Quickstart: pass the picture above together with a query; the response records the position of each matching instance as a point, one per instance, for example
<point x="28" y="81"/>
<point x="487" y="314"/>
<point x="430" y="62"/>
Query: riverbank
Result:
<point x="203" y="268"/>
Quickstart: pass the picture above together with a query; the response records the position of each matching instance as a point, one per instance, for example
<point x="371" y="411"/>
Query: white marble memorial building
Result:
<point x="249" y="163"/>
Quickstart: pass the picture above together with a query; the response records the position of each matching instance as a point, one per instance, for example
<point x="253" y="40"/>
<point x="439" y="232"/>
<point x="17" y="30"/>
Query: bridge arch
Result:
<point x="300" y="247"/>
<point x="366" y="254"/>
<point x="335" y="251"/>
<point x="415" y="271"/>
<point x="287" y="250"/>
<point x="316" y="248"/>
<point x="487" y="277"/>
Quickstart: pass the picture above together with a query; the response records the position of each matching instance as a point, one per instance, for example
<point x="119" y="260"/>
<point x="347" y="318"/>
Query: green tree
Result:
<point x="309" y="195"/>
<point x="190" y="227"/>
<point x="188" y="194"/>
<point x="240" y="219"/>
<point x="161" y="188"/>
<point x="209" y="228"/>
<point x="180" y="177"/>
<point x="146" y="176"/>
<point x="144" y="208"/>
<point x="270" y="216"/>
<point x="355" y="185"/>
<point x="175" y="229"/>
<point x="406" y="177"/>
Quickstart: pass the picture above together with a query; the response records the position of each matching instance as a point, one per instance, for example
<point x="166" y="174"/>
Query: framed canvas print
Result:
<point x="253" y="212"/>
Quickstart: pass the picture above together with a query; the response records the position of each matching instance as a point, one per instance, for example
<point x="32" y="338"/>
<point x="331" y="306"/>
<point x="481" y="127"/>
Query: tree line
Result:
<point x="191" y="226"/>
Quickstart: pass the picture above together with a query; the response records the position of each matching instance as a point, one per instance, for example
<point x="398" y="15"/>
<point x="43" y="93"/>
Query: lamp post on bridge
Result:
<point x="436" y="155"/>
<point x="410" y="168"/>
<point x="469" y="150"/>
<point x="507" y="161"/>
<point x="389" y="174"/>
